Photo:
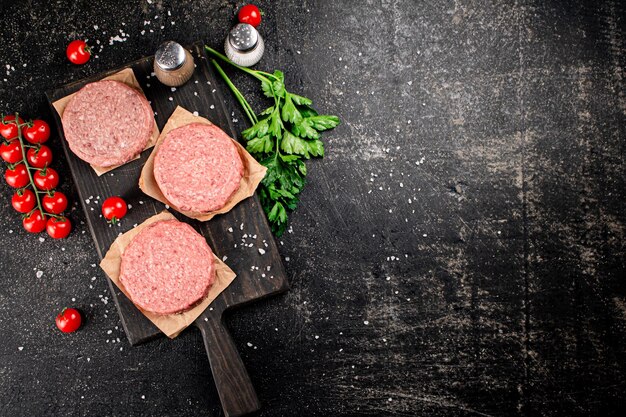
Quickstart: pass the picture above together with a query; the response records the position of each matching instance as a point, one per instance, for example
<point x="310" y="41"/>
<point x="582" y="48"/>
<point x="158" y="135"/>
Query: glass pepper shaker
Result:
<point x="173" y="64"/>
<point x="244" y="45"/>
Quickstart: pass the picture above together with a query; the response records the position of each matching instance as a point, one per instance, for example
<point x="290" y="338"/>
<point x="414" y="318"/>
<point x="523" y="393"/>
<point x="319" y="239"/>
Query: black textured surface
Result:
<point x="460" y="251"/>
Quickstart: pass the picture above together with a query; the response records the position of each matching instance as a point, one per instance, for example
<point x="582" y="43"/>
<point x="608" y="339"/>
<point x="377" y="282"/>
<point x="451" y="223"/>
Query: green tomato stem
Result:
<point x="28" y="167"/>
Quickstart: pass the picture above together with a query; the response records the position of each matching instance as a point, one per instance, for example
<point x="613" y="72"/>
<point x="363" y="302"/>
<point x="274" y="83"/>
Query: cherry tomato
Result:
<point x="68" y="320"/>
<point x="39" y="132"/>
<point x="114" y="208"/>
<point x="58" y="228"/>
<point x="34" y="223"/>
<point x="17" y="177"/>
<point x="23" y="201"/>
<point x="8" y="128"/>
<point x="56" y="203"/>
<point x="250" y="14"/>
<point x="78" y="52"/>
<point x="11" y="152"/>
<point x="46" y="179"/>
<point x="39" y="158"/>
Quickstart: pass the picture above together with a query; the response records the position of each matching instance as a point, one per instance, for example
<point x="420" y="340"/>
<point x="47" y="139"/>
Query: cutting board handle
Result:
<point x="233" y="383"/>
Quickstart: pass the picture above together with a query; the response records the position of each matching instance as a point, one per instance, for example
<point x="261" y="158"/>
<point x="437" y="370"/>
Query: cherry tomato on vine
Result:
<point x="46" y="179"/>
<point x="17" y="177"/>
<point x="39" y="132"/>
<point x="54" y="203"/>
<point x="39" y="158"/>
<point x="8" y="128"/>
<point x="34" y="223"/>
<point x="58" y="228"/>
<point x="68" y="320"/>
<point x="250" y="14"/>
<point x="78" y="52"/>
<point x="23" y="201"/>
<point x="114" y="208"/>
<point x="11" y="152"/>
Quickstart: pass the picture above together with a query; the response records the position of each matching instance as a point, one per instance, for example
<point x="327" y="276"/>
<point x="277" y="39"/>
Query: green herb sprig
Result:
<point x="281" y="138"/>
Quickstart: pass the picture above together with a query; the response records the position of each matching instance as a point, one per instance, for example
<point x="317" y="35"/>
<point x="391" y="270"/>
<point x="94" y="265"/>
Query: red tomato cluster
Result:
<point x="250" y="14"/>
<point x="29" y="172"/>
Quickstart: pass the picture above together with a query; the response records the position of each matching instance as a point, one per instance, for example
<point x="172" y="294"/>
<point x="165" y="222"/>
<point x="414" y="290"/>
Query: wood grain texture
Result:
<point x="258" y="265"/>
<point x="199" y="94"/>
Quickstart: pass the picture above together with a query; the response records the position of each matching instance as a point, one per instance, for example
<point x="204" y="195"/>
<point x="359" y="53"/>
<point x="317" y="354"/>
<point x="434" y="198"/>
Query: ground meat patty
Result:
<point x="198" y="167"/>
<point x="167" y="268"/>
<point x="107" y="123"/>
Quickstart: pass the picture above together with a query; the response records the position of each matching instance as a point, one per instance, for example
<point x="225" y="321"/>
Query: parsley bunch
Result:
<point x="281" y="138"/>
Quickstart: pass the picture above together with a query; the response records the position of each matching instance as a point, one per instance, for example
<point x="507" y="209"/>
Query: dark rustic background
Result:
<point x="460" y="250"/>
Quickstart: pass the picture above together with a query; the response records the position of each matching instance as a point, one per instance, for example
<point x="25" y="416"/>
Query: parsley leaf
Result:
<point x="287" y="134"/>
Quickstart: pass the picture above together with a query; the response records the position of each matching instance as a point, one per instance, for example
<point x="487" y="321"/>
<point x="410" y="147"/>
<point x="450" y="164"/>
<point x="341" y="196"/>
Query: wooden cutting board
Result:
<point x="258" y="275"/>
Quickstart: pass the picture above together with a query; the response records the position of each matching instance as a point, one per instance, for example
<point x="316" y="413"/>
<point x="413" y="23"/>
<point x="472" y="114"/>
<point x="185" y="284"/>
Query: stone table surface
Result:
<point x="459" y="251"/>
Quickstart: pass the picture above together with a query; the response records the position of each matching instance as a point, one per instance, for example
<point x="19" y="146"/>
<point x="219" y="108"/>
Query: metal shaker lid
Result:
<point x="170" y="56"/>
<point x="243" y="37"/>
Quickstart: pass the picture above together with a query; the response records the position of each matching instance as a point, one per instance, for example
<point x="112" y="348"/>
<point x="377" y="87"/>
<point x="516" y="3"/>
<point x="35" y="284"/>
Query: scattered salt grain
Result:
<point x="39" y="274"/>
<point x="262" y="251"/>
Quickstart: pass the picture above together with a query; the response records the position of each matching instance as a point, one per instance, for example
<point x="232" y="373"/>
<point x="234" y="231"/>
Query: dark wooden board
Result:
<point x="254" y="279"/>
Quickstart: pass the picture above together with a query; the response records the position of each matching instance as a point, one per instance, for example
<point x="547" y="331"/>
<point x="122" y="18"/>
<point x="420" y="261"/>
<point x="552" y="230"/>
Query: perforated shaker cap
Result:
<point x="243" y="37"/>
<point x="170" y="56"/>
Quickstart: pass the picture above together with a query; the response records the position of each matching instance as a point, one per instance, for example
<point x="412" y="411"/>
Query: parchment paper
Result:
<point x="253" y="172"/>
<point x="126" y="76"/>
<point x="171" y="324"/>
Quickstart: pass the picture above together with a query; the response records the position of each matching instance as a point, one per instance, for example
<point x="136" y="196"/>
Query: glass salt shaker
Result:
<point x="173" y="64"/>
<point x="244" y="45"/>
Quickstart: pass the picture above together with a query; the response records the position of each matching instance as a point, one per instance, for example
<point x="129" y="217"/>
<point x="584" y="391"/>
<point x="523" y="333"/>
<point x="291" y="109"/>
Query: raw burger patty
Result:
<point x="167" y="268"/>
<point x="107" y="123"/>
<point x="198" y="168"/>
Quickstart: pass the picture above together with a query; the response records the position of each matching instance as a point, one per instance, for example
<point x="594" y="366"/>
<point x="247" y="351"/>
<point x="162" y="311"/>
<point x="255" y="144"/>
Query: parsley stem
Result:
<point x="240" y="98"/>
<point x="259" y="75"/>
